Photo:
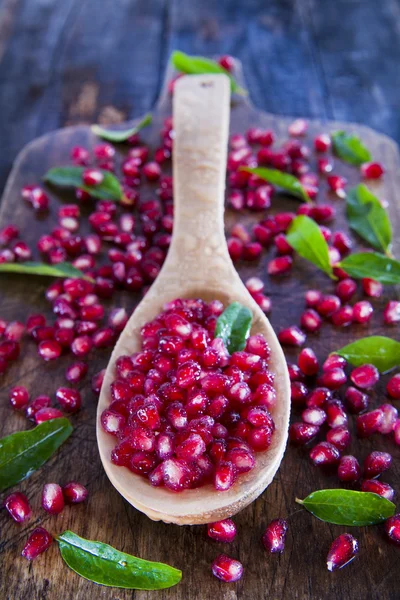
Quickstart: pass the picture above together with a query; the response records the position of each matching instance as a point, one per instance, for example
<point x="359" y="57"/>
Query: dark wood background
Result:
<point x="74" y="62"/>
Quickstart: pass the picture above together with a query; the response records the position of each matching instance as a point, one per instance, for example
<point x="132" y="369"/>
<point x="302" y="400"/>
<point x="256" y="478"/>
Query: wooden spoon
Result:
<point x="198" y="265"/>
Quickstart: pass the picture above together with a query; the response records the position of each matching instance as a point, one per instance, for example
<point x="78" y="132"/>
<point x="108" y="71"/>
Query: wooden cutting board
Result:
<point x="300" y="572"/>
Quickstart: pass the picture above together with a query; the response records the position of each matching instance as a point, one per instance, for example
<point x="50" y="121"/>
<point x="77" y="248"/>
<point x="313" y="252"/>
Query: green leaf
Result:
<point x="117" y="136"/>
<point x="104" y="564"/>
<point x="108" y="189"/>
<point x="24" y="452"/>
<point x="306" y="238"/>
<point x="233" y="326"/>
<point x="287" y="182"/>
<point x="372" y="265"/>
<point x="346" y="507"/>
<point x="197" y="65"/>
<point x="37" y="268"/>
<point x="368" y="218"/>
<point x="350" y="148"/>
<point x="377" y="350"/>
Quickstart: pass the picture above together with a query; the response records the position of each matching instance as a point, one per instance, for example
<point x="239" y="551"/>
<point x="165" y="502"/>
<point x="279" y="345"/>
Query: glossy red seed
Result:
<point x="328" y="305"/>
<point x="334" y="361"/>
<point x="372" y="170"/>
<point x="292" y="336"/>
<point x="365" y="376"/>
<point x="222" y="531"/>
<point x="69" y="399"/>
<point x="314" y="416"/>
<point x="76" y="371"/>
<point x="391" y="313"/>
<point x="224" y="477"/>
<point x="392" y="528"/>
<point x="299" y="393"/>
<point x="318" y="397"/>
<point x="390" y="415"/>
<point x="49" y="350"/>
<point x="308" y="362"/>
<point x="333" y="379"/>
<point x="17" y="504"/>
<point x="226" y="569"/>
<point x="362" y="311"/>
<point x="322" y="142"/>
<point x="345" y="289"/>
<point x="376" y="463"/>
<point x="302" y="433"/>
<point x="339" y="437"/>
<point x="52" y="498"/>
<point x="19" y="397"/>
<point x="336" y="415"/>
<point x="81" y="346"/>
<point x="356" y="401"/>
<point x="310" y="320"/>
<point x="46" y="414"/>
<point x="324" y="453"/>
<point x="92" y="177"/>
<point x="372" y="288"/>
<point x="393" y="387"/>
<point x="38" y="541"/>
<point x="349" y="468"/>
<point x="369" y="422"/>
<point x="74" y="492"/>
<point x="342" y="551"/>
<point x="280" y="265"/>
<point x="275" y="536"/>
<point x="378" y="487"/>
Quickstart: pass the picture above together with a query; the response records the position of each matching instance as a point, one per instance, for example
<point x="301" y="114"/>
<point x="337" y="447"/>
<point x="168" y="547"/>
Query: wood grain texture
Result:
<point x="55" y="71"/>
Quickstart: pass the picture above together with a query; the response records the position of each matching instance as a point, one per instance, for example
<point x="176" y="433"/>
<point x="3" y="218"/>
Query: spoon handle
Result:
<point x="201" y="108"/>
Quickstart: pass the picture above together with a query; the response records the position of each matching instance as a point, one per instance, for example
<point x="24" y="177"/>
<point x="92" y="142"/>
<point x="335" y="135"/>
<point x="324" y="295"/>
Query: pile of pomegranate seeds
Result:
<point x="185" y="412"/>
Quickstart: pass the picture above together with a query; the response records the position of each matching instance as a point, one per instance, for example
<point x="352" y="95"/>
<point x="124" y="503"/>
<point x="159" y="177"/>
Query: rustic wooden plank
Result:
<point x="300" y="572"/>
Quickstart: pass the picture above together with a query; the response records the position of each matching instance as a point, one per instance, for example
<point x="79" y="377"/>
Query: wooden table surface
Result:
<point x="73" y="62"/>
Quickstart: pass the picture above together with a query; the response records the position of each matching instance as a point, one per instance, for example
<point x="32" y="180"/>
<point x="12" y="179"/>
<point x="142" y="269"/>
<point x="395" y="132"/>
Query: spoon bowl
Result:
<point x="198" y="265"/>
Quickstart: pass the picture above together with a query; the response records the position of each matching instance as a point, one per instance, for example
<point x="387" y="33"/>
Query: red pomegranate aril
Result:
<point x="46" y="414"/>
<point x="103" y="338"/>
<point x="345" y="289"/>
<point x="324" y="454"/>
<point x="378" y="487"/>
<point x="76" y="372"/>
<point x="310" y="320"/>
<point x="376" y="463"/>
<point x="92" y="177"/>
<point x="356" y="400"/>
<point x="299" y="393"/>
<point x="74" y="493"/>
<point x="81" y="346"/>
<point x="369" y="422"/>
<point x="112" y="422"/>
<point x="342" y="551"/>
<point x="390" y="415"/>
<point x="176" y="474"/>
<point x="69" y="399"/>
<point x="333" y="379"/>
<point x="226" y="569"/>
<point x="8" y="234"/>
<point x="349" y="469"/>
<point x="97" y="381"/>
<point x="339" y="437"/>
<point x="19" y="397"/>
<point x="365" y="376"/>
<point x="222" y="531"/>
<point x="372" y="170"/>
<point x="14" y="331"/>
<point x="393" y="387"/>
<point x="275" y="536"/>
<point x="34" y="321"/>
<point x="280" y="265"/>
<point x="391" y="313"/>
<point x="392" y="528"/>
<point x="49" y="350"/>
<point x="79" y="155"/>
<point x="302" y="433"/>
<point x="17" y="504"/>
<point x="372" y="288"/>
<point x="308" y="362"/>
<point x="322" y="142"/>
<point x="362" y="311"/>
<point x="328" y="305"/>
<point x="38" y="403"/>
<point x="52" y="498"/>
<point x="38" y="541"/>
<point x="337" y="184"/>
<point x="334" y="361"/>
<point x="336" y="415"/>
<point x="292" y="336"/>
<point x="224" y="477"/>
<point x="314" y="416"/>
<point x="313" y="298"/>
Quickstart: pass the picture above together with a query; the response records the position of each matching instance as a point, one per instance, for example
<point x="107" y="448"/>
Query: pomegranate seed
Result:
<point x="328" y="305"/>
<point x="14" y="331"/>
<point x="372" y="288"/>
<point x="292" y="336"/>
<point x="308" y="362"/>
<point x="176" y="474"/>
<point x="222" y="531"/>
<point x="391" y="314"/>
<point x="362" y="311"/>
<point x="333" y="379"/>
<point x="92" y="177"/>
<point x="339" y="437"/>
<point x="19" y="397"/>
<point x="310" y="320"/>
<point x="349" y="469"/>
<point x="390" y="415"/>
<point x="79" y="155"/>
<point x="34" y="321"/>
<point x="334" y="361"/>
<point x="8" y="234"/>
<point x="345" y="289"/>
<point x="302" y="433"/>
<point x="369" y="422"/>
<point x="393" y="387"/>
<point x="52" y="498"/>
<point x="356" y="400"/>
<point x="97" y="381"/>
<point x="337" y="184"/>
<point x="322" y="142"/>
<point x="299" y="393"/>
<point x="274" y="536"/>
<point x="69" y="399"/>
<point x="342" y="551"/>
<point x="81" y="346"/>
<point x="365" y="376"/>
<point x="46" y="414"/>
<point x="226" y="569"/>
<point x="74" y="493"/>
<point x="22" y="251"/>
<point x="298" y="127"/>
<point x="376" y="463"/>
<point x="37" y="404"/>
<point x="49" y="350"/>
<point x="280" y="265"/>
<point x="392" y="528"/>
<point x="224" y="477"/>
<point x="372" y="170"/>
<point x="18" y="507"/>
<point x="336" y="415"/>
<point x="39" y="541"/>
<point x="313" y="298"/>
<point x="76" y="372"/>
<point x="254" y="285"/>
<point x="324" y="454"/>
<point x="314" y="416"/>
<point x="378" y="487"/>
